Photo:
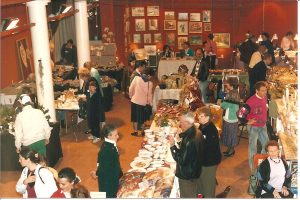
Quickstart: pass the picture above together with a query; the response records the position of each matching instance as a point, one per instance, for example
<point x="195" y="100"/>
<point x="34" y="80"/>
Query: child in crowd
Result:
<point x="230" y="120"/>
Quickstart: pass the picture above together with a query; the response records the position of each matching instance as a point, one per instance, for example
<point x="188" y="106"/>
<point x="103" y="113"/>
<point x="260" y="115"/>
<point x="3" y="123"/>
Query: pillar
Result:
<point x="41" y="55"/>
<point x="82" y="33"/>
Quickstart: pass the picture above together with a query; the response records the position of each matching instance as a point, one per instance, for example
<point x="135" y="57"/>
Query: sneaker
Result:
<point x="91" y="137"/>
<point x="96" y="140"/>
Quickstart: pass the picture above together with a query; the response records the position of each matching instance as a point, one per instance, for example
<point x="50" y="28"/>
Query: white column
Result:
<point x="82" y="33"/>
<point x="41" y="51"/>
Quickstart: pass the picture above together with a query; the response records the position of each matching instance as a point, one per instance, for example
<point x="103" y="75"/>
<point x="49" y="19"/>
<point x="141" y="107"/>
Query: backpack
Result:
<point x="243" y="112"/>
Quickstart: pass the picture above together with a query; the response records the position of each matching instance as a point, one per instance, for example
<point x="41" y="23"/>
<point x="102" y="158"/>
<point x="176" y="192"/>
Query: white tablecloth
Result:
<point x="164" y="94"/>
<point x="167" y="67"/>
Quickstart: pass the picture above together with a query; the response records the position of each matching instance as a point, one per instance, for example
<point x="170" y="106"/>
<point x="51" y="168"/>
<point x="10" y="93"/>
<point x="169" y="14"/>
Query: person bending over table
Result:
<point x="274" y="175"/>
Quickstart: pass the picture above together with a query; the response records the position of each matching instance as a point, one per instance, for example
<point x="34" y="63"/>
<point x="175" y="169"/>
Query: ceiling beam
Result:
<point x="12" y="2"/>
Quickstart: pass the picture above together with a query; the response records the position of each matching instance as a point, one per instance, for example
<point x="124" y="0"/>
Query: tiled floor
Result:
<point x="82" y="156"/>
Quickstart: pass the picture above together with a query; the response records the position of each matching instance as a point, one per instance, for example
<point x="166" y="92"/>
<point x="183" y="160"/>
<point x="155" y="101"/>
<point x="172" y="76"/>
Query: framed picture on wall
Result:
<point x="147" y="38"/>
<point x="153" y="25"/>
<point x="183" y="16"/>
<point x="137" y="12"/>
<point x="150" y="49"/>
<point x="157" y="37"/>
<point x="195" y="17"/>
<point x="207" y="27"/>
<point x="140" y="25"/>
<point x="181" y="40"/>
<point x="24" y="60"/>
<point x="169" y="15"/>
<point x="182" y="28"/>
<point x="195" y="27"/>
<point x="195" y="39"/>
<point x="222" y="40"/>
<point x="206" y="16"/>
<point x="153" y="11"/>
<point x="137" y="38"/>
<point x="169" y="25"/>
<point x="170" y="39"/>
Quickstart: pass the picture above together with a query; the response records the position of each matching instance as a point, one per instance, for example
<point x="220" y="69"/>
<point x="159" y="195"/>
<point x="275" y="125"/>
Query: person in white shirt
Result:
<point x="287" y="42"/>
<point x="35" y="181"/>
<point x="31" y="128"/>
<point x="257" y="56"/>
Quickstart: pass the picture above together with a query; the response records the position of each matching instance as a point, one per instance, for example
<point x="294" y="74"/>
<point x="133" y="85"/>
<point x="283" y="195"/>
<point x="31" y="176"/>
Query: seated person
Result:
<point x="274" y="175"/>
<point x="187" y="51"/>
<point x="167" y="51"/>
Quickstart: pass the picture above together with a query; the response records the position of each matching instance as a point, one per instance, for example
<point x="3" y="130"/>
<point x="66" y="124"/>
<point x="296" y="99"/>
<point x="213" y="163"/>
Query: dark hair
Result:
<point x="183" y="68"/>
<point x="272" y="143"/>
<point x="70" y="41"/>
<point x="266" y="34"/>
<point x="69" y="174"/>
<point x="149" y="71"/>
<point x="28" y="153"/>
<point x="108" y="129"/>
<point x="187" y="43"/>
<point x="165" y="47"/>
<point x="202" y="51"/>
<point x="80" y="192"/>
<point x="289" y="33"/>
<point x="204" y="110"/>
<point x="93" y="83"/>
<point x="210" y="36"/>
<point x="267" y="56"/>
<point x="259" y="84"/>
<point x="140" y="63"/>
<point x="234" y="82"/>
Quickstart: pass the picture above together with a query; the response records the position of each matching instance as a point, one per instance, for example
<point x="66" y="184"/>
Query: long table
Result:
<point x="164" y="94"/>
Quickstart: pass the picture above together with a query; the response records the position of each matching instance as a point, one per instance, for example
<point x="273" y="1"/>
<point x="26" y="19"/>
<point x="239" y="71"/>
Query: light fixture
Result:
<point x="296" y="37"/>
<point x="275" y="37"/>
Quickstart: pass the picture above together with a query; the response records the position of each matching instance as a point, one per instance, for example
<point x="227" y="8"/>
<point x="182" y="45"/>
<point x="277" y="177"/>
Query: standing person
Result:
<point x="140" y="92"/>
<point x="108" y="165"/>
<point x="257" y="119"/>
<point x="206" y="183"/>
<point x="35" y="181"/>
<point x="201" y="72"/>
<point x="257" y="56"/>
<point x="230" y="121"/>
<point x="287" y="42"/>
<point x="187" y="156"/>
<point x="211" y="51"/>
<point x="35" y="135"/>
<point x="68" y="54"/>
<point x="274" y="175"/>
<point x="139" y="69"/>
<point x="259" y="72"/>
<point x="247" y="48"/>
<point x="167" y="52"/>
<point x="94" y="73"/>
<point x="267" y="42"/>
<point x="67" y="181"/>
<point x="187" y="51"/>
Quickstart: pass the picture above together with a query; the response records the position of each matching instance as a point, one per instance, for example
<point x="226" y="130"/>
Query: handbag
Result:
<point x="253" y="184"/>
<point x="148" y="107"/>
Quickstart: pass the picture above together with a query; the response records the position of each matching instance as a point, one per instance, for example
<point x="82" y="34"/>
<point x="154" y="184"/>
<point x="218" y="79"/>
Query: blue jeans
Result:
<point x="203" y="85"/>
<point x="255" y="133"/>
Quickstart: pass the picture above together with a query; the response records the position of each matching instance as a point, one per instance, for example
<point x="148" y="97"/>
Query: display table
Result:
<point x="10" y="93"/>
<point x="164" y="94"/>
<point x="10" y="159"/>
<point x="167" y="67"/>
<point x="116" y="74"/>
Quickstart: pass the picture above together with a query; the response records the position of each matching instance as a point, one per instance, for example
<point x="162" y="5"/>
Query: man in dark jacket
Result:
<point x="200" y="71"/>
<point x="206" y="184"/>
<point x="187" y="156"/>
<point x="69" y="56"/>
<point x="247" y="48"/>
<point x="267" y="42"/>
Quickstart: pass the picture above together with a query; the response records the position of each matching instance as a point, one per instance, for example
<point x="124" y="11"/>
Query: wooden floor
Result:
<point x="82" y="155"/>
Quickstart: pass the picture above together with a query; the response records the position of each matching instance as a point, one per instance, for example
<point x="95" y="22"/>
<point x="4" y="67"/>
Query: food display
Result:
<point x="106" y="80"/>
<point x="282" y="76"/>
<point x="68" y="100"/>
<point x="174" y="81"/>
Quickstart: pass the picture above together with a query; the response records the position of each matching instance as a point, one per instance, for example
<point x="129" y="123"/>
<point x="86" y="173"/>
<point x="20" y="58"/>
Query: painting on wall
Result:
<point x="181" y="40"/>
<point x="195" y="40"/>
<point x="195" y="27"/>
<point x="150" y="49"/>
<point x="183" y="16"/>
<point x="24" y="61"/>
<point x="153" y="25"/>
<point x="137" y="12"/>
<point x="147" y="38"/>
<point x="169" y="15"/>
<point x="153" y="11"/>
<point x="195" y="17"/>
<point x="170" y="39"/>
<point x="182" y="28"/>
<point x="137" y="38"/>
<point x="157" y="38"/>
<point x="222" y="40"/>
<point x="207" y="27"/>
<point x="140" y="25"/>
<point x="206" y="16"/>
<point x="170" y="25"/>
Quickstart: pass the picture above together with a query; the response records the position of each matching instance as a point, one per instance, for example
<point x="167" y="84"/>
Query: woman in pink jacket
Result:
<point x="140" y="92"/>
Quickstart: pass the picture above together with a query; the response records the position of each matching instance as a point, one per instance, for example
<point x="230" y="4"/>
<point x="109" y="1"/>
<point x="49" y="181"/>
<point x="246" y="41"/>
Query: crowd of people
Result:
<point x="196" y="149"/>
